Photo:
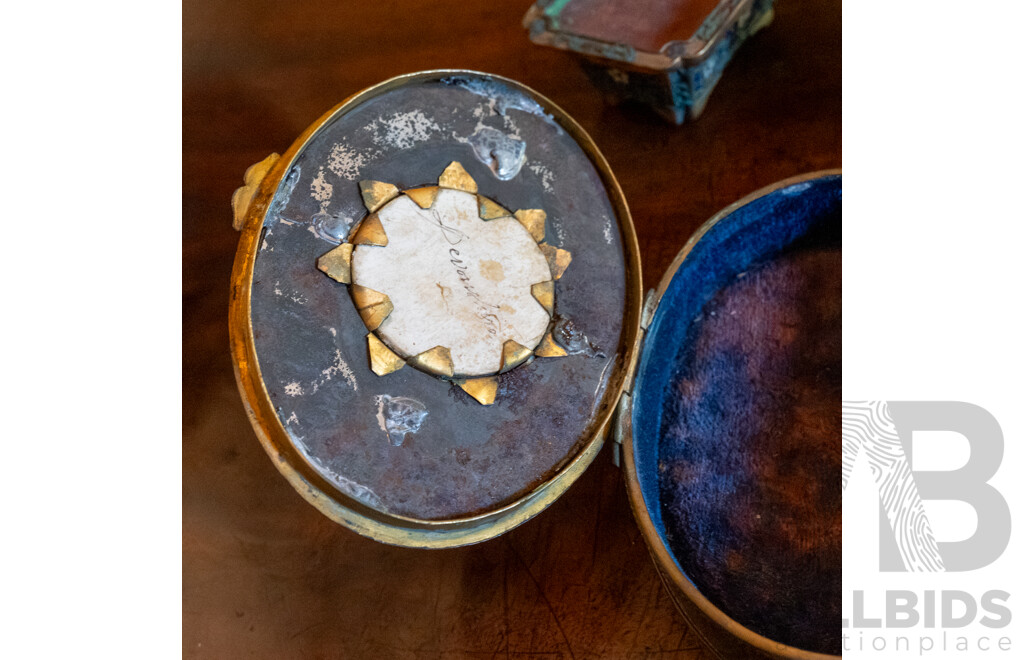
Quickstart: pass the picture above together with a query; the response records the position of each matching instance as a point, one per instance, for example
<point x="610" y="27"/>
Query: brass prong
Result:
<point x="544" y="293"/>
<point x="548" y="348"/>
<point x="377" y="193"/>
<point x="370" y="232"/>
<point x="513" y="354"/>
<point x="484" y="390"/>
<point x="489" y="210"/>
<point x="424" y="197"/>
<point x="437" y="361"/>
<point x="383" y="360"/>
<point x="373" y="306"/>
<point x="558" y="259"/>
<point x="533" y="220"/>
<point x="366" y="297"/>
<point x="457" y="178"/>
<point x="374" y="315"/>
<point x="337" y="263"/>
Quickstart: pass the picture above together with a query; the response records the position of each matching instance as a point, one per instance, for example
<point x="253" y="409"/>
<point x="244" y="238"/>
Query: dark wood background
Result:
<point x="265" y="574"/>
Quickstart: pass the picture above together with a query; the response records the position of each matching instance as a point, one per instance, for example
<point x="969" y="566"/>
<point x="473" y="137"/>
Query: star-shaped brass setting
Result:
<point x="450" y="282"/>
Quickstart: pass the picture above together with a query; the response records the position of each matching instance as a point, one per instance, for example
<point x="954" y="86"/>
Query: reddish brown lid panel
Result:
<point x="409" y="443"/>
<point x="646" y="25"/>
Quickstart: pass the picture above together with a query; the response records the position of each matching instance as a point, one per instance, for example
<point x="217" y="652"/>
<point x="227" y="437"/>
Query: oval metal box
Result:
<point x="404" y="448"/>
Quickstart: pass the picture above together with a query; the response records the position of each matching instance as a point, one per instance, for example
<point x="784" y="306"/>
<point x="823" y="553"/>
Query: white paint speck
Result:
<point x="334" y="333"/>
<point x="337" y="366"/>
<point x="380" y="413"/>
<point x="293" y="389"/>
<point x="293" y="419"/>
<point x="403" y="129"/>
<point x="321" y="190"/>
<point x="559" y="232"/>
<point x="607" y="230"/>
<point x="297" y="298"/>
<point x="547" y="179"/>
<point x="346" y="162"/>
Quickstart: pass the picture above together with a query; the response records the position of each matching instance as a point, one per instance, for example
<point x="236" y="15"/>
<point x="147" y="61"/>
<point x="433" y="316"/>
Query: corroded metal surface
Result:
<point x="459" y="458"/>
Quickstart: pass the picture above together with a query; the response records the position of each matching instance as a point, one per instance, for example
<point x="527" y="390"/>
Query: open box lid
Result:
<point x="435" y="304"/>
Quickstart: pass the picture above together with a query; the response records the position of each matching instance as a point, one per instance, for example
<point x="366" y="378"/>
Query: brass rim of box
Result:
<point x="679" y="585"/>
<point x="307" y="481"/>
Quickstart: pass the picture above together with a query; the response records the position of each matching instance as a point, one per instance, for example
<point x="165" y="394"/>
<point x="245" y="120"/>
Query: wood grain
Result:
<point x="264" y="574"/>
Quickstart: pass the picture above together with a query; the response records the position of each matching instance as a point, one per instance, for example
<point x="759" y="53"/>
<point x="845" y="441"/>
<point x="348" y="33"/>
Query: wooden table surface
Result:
<point x="266" y="575"/>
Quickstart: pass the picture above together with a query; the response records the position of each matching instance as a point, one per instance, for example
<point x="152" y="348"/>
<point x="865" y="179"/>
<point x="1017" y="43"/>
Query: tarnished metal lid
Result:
<point x="434" y="305"/>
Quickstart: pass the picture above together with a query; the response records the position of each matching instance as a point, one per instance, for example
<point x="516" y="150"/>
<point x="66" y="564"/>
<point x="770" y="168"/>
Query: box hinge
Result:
<point x="646" y="314"/>
<point x="623" y="420"/>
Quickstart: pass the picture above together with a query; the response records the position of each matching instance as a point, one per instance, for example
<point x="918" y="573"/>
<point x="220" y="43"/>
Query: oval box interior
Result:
<point x="736" y="419"/>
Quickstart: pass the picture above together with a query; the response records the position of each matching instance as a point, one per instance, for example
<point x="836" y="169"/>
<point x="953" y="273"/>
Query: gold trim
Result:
<point x="377" y="193"/>
<point x="242" y="197"/>
<point x="457" y="178"/>
<point x="437" y="361"/>
<point x="383" y="360"/>
<point x="489" y="209"/>
<point x="513" y="354"/>
<point x="544" y="293"/>
<point x="304" y="477"/>
<point x="424" y="197"/>
<point x="370" y="232"/>
<point x="337" y="263"/>
<point x="558" y="259"/>
<point x="534" y="221"/>
<point x="548" y="348"/>
<point x="484" y="390"/>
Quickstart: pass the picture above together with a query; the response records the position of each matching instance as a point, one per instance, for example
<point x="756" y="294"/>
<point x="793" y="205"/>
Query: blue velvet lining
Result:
<point x="749" y="235"/>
